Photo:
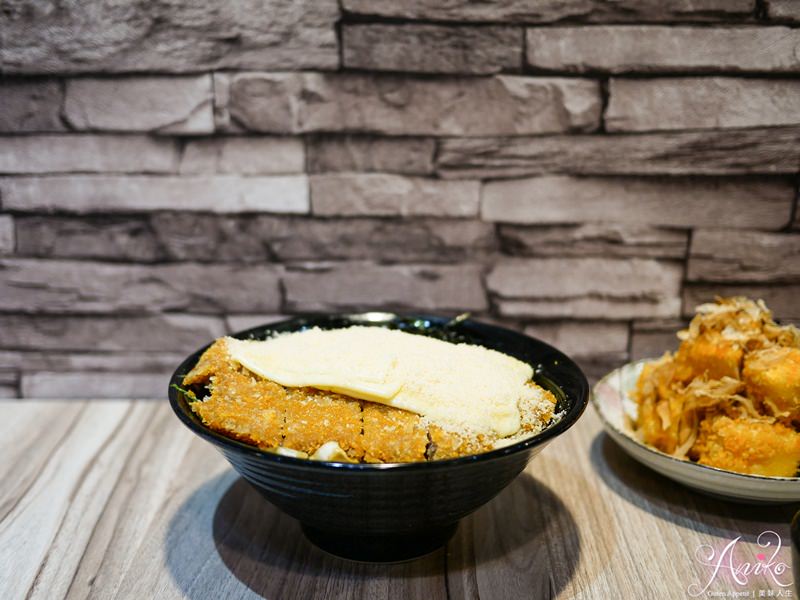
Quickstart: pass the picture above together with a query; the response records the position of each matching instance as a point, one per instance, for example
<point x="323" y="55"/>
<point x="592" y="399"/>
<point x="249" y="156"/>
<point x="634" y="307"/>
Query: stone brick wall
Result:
<point x="586" y="171"/>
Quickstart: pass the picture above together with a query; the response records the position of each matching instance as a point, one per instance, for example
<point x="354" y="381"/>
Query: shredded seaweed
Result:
<point x="188" y="393"/>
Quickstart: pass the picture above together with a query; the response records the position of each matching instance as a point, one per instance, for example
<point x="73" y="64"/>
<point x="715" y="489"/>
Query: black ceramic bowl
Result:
<point x="390" y="512"/>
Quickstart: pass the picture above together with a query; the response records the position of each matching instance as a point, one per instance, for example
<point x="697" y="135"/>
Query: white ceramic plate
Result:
<point x="610" y="399"/>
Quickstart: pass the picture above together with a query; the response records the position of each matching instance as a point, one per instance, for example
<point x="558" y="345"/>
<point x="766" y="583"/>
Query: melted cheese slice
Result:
<point x="331" y="452"/>
<point x="457" y="386"/>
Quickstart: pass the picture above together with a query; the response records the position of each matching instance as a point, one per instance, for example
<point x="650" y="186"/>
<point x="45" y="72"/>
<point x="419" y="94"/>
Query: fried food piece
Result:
<point x="772" y="376"/>
<point x="659" y="422"/>
<point x="449" y="444"/>
<point x="314" y="417"/>
<point x="656" y="378"/>
<point x="255" y="410"/>
<point x="709" y="355"/>
<point x="717" y="399"/>
<point x="536" y="410"/>
<point x="249" y="409"/>
<point x="393" y="435"/>
<point x="214" y="360"/>
<point x="754" y="446"/>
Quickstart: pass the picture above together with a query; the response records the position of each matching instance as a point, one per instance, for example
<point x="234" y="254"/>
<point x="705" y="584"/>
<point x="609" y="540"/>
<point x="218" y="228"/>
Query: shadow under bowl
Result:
<point x="393" y="512"/>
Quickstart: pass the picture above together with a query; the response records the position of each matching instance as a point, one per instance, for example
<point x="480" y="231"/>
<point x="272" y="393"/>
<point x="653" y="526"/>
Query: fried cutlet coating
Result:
<point x="214" y="360"/>
<point x="449" y="444"/>
<point x="314" y="417"/>
<point x="772" y="376"/>
<point x="251" y="409"/>
<point x="753" y="446"/>
<point x="240" y="405"/>
<point x="261" y="412"/>
<point x="392" y="435"/>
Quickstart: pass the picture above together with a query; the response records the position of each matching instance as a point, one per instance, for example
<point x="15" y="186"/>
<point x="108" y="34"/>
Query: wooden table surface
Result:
<point x="107" y="499"/>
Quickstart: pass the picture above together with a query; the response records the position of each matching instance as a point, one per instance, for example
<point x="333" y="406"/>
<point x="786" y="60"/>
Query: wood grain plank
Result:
<point x="137" y="499"/>
<point x="32" y="528"/>
<point x="25" y="452"/>
<point x="217" y="537"/>
<point x="606" y="527"/>
<point x="88" y="496"/>
<point x="132" y="505"/>
<point x="659" y="524"/>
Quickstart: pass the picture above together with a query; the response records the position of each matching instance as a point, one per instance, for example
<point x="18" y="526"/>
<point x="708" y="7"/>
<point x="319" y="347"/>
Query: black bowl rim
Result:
<point x="548" y="434"/>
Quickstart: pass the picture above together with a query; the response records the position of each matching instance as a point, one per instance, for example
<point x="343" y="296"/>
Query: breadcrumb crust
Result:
<point x="249" y="408"/>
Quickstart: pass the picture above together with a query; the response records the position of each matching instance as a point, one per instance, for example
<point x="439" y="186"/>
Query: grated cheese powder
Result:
<point x="457" y="386"/>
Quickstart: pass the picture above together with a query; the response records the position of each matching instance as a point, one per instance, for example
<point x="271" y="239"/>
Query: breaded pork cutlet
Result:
<point x="256" y="410"/>
<point x="393" y="435"/>
<point x="314" y="417"/>
<point x="241" y="405"/>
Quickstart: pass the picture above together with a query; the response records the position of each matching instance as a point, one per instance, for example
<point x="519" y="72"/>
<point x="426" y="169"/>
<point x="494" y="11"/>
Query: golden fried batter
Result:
<point x="392" y="435"/>
<point x="448" y="444"/>
<point x="314" y="417"/>
<point x="709" y="355"/>
<point x="659" y="408"/>
<point x="754" y="446"/>
<point x="213" y="360"/>
<point x="772" y="375"/>
<point x="261" y="412"/>
<point x="730" y="396"/>
<point x="251" y="409"/>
